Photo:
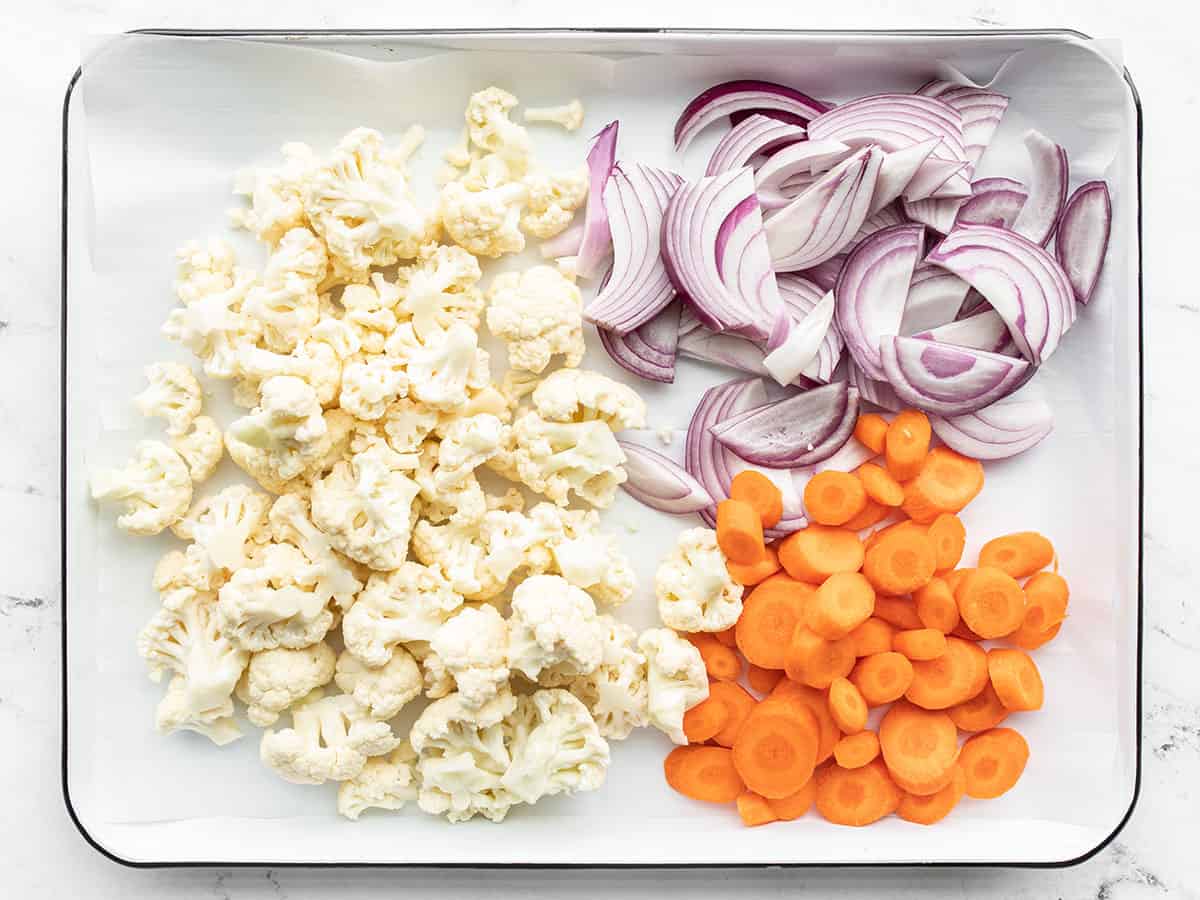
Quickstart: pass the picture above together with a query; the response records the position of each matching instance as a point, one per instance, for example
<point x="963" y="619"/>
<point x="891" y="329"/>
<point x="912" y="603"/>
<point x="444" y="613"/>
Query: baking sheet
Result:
<point x="159" y="126"/>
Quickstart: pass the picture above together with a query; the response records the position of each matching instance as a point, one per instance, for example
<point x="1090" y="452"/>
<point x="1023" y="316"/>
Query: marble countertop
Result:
<point x="39" y="49"/>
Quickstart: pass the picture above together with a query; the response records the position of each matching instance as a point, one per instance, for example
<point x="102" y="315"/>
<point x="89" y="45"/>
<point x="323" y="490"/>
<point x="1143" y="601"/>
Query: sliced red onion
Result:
<point x="872" y="289"/>
<point x="974" y="303"/>
<point x="660" y="482"/>
<point x="1006" y="428"/>
<point x="938" y="214"/>
<point x="597" y="239"/>
<point x="934" y="298"/>
<point x="824" y="219"/>
<point x="825" y="274"/>
<point x="939" y="178"/>
<point x="948" y="380"/>
<point x="727" y="349"/>
<point x="1021" y="281"/>
<point x="1082" y="241"/>
<point x="879" y="393"/>
<point x="648" y="351"/>
<point x="980" y="108"/>
<point x="802" y="297"/>
<point x="997" y="183"/>
<point x="1047" y="189"/>
<point x="736" y="96"/>
<point x="893" y="122"/>
<point x="638" y="287"/>
<point x="898" y="169"/>
<point x="799" y="430"/>
<point x="565" y="244"/>
<point x="993" y="206"/>
<point x="983" y="331"/>
<point x="882" y="218"/>
<point x="798" y="347"/>
<point x="754" y="135"/>
<point x="800" y="160"/>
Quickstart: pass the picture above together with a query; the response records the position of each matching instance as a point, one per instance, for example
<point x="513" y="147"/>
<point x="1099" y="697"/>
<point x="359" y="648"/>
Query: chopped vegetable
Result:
<point x="704" y="773"/>
<point x="815" y="661"/>
<point x="1006" y="428"/>
<point x="597" y="237"/>
<point x="993" y="762"/>
<point x="949" y="537"/>
<point x="990" y="602"/>
<point x="900" y="562"/>
<point x="776" y="750"/>
<point x="953" y="678"/>
<point x="1016" y="679"/>
<point x="815" y="702"/>
<point x="1047" y="190"/>
<point x="755" y="809"/>
<point x="1082" y="241"/>
<point x="847" y="707"/>
<point x="872" y="636"/>
<point x="981" y="712"/>
<point x="739" y="532"/>
<point x="800" y="430"/>
<point x="795" y="805"/>
<point x="770" y="614"/>
<point x="738" y="705"/>
<point x="918" y="745"/>
<point x="754" y="573"/>
<point x="871" y="431"/>
<point x="763" y="680"/>
<point x="732" y="97"/>
<point x="882" y="677"/>
<point x="834" y="498"/>
<point x="906" y="444"/>
<point x="1019" y="555"/>
<point x="649" y="351"/>
<point x="946" y="483"/>
<point x="933" y="808"/>
<point x="899" y="612"/>
<point x="920" y="643"/>
<point x="843" y="602"/>
<point x="818" y="551"/>
<point x="702" y="722"/>
<point x="936" y="606"/>
<point x="880" y="485"/>
<point x="856" y="750"/>
<point x="661" y="483"/>
<point x="856" y="796"/>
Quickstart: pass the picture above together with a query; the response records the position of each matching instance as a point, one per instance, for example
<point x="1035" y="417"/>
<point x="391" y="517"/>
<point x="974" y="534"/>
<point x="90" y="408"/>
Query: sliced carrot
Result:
<point x="1016" y="678"/>
<point x="962" y="631"/>
<point x="954" y="578"/>
<point x="704" y="773"/>
<point x="1046" y="598"/>
<point x="882" y="677"/>
<point x="932" y="809"/>
<point x="900" y="562"/>
<point x="1020" y="554"/>
<point x="918" y="745"/>
<point x="946" y="483"/>
<point x="739" y="532"/>
<point x="880" y="485"/>
<point x="897" y="612"/>
<point x="815" y="661"/>
<point x="856" y="750"/>
<point x="834" y="498"/>
<point x="990" y="602"/>
<point x="935" y="605"/>
<point x="738" y="704"/>
<point x="755" y="809"/>
<point x="871" y="431"/>
<point x="981" y="712"/>
<point x="953" y="678"/>
<point x="872" y="636"/>
<point x="728" y="637"/>
<point x="702" y="722"/>
<point x="776" y="750"/>
<point x="872" y="514"/>
<point x="816" y="552"/>
<point x="949" y="537"/>
<point x="856" y="796"/>
<point x="907" y="443"/>
<point x="924" y="788"/>
<point x="721" y="662"/>
<point x="754" y="573"/>
<point x="847" y="706"/>
<point x="770" y="614"/>
<point x="815" y="701"/>
<point x="840" y="605"/>
<point x="993" y="762"/>
<point x="1027" y="641"/>
<point x="761" y="493"/>
<point x="920" y="644"/>
<point x="793" y="806"/>
<point x="904" y="525"/>
<point x="763" y="680"/>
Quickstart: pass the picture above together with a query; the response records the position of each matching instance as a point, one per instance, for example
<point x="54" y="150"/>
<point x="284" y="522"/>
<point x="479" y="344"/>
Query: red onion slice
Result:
<point x="983" y="331"/>
<point x="993" y="206"/>
<point x="725" y="349"/>
<point x="938" y="214"/>
<point x="801" y="297"/>
<point x="879" y="393"/>
<point x="898" y="170"/>
<point x="638" y="287"/>
<point x="799" y="347"/>
<point x="1047" y="189"/>
<point x="1082" y="241"/>
<point x="799" y="430"/>
<point x="893" y="122"/>
<point x="824" y="274"/>
<point x="939" y="177"/>
<point x="732" y="97"/>
<point x="565" y="244"/>
<point x="660" y="482"/>
<point x="752" y="136"/>
<point x="948" y="380"/>
<point x="872" y="289"/>
<point x="1006" y="428"/>
<point x="597" y="239"/>
<point x="981" y="112"/>
<point x="934" y="298"/>
<point x="649" y="351"/>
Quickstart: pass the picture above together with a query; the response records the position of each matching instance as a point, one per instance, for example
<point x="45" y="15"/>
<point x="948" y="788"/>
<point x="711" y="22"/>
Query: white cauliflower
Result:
<point x="553" y="632"/>
<point x="555" y="747"/>
<point x="341" y="338"/>
<point x="381" y="690"/>
<point x="553" y="200"/>
<point x="490" y="128"/>
<point x="330" y="740"/>
<point x="407" y="423"/>
<point x="190" y="568"/>
<point x="175" y="713"/>
<point x="277" y="679"/>
<point x="486" y="222"/>
<point x="371" y="385"/>
<point x="472" y="647"/>
<point x="276" y="204"/>
<point x="454" y="551"/>
<point x="173" y="394"/>
<point x="616" y="693"/>
<point x="284" y="437"/>
<point x="223" y="524"/>
<point x="459" y="500"/>
<point x="285" y="300"/>
<point x="570" y="543"/>
<point x="568" y="115"/>
<point x="201" y="448"/>
<point x="443" y="370"/>
<point x="332" y="574"/>
<point x="577" y="395"/>
<point x="558" y="458"/>
<point x="154" y="488"/>
<point x="440" y="289"/>
<point x="676" y="679"/>
<point x="385" y="782"/>
<point x="538" y="314"/>
<point x="314" y="361"/>
<point x="467" y="443"/>
<point x="370" y="311"/>
<point x="694" y="588"/>
<point x="398" y="607"/>
<point x="274" y="602"/>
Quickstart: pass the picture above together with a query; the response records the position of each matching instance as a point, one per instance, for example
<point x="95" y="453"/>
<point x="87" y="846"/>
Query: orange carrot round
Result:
<point x="702" y="722"/>
<point x="871" y="431"/>
<point x="847" y="706"/>
<point x="815" y="701"/>
<point x="1046" y="598"/>
<point x="872" y="514"/>
<point x="993" y="762"/>
<point x="721" y="662"/>
<point x="738" y="704"/>
<point x="770" y="614"/>
<point x="936" y="606"/>
<point x="872" y="636"/>
<point x="898" y="612"/>
<point x="728" y="637"/>
<point x="816" y="552"/>
<point x="776" y="750"/>
<point x="856" y="796"/>
<point x="946" y="483"/>
<point x="761" y="493"/>
<point x="918" y="745"/>
<point x="755" y="809"/>
<point x="815" y="661"/>
<point x="840" y="605"/>
<point x="1032" y="641"/>
<point x="954" y="677"/>
<point x="954" y="578"/>
<point x="900" y="562"/>
<point x="949" y="537"/>
<point x="907" y="444"/>
<point x="793" y="806"/>
<point x="747" y="575"/>
<point x="981" y="712"/>
<point x="962" y="631"/>
<point x="880" y="485"/>
<point x="903" y="525"/>
<point x="703" y="773"/>
<point x="762" y="680"/>
<point x="856" y="750"/>
<point x="920" y="644"/>
<point x="1019" y="555"/>
<point x="990" y="602"/>
<point x="739" y="532"/>
<point x="834" y="498"/>
<point x="1016" y="678"/>
<point x="932" y="809"/>
<point x="882" y="677"/>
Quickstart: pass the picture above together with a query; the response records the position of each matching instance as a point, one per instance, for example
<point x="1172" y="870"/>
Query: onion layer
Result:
<point x="648" y="351"/>
<point x="747" y="139"/>
<point x="948" y="380"/>
<point x="799" y="430"/>
<point x="1082" y="241"/>
<point x="1006" y="428"/>
<point x="934" y="298"/>
<point x="983" y="331"/>
<point x="1047" y="189"/>
<point x="731" y="97"/>
<point x="981" y="112"/>
<point x="597" y="240"/>
<point x="660" y="482"/>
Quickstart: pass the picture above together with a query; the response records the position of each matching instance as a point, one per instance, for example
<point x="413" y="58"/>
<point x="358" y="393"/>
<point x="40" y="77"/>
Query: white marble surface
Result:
<point x="39" y="48"/>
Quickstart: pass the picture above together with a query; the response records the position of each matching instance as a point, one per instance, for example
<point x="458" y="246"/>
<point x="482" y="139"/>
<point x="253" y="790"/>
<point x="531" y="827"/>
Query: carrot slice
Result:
<point x="882" y="677"/>
<point x="776" y="750"/>
<point x="949" y="537"/>
<point x="815" y="661"/>
<point x="739" y="532"/>
<point x="953" y="678"/>
<point x="1046" y="598"/>
<point x="920" y="644"/>
<point x="936" y="606"/>
<point x="981" y="712"/>
<point x="872" y="514"/>
<point x="1028" y="641"/>
<point x="990" y="602"/>
<point x="793" y="806"/>
<point x="918" y="745"/>
<point x="932" y="809"/>
<point x="856" y="796"/>
<point x="847" y="706"/>
<point x="880" y="485"/>
<point x="754" y="573"/>
<point x="816" y="552"/>
<point x="721" y="662"/>
<point x="840" y="605"/>
<point x="946" y="483"/>
<point x="702" y="722"/>
<point x="926" y="788"/>
<point x="856" y="750"/>
<point x="755" y="809"/>
<point x="907" y="444"/>
<point x="834" y="498"/>
<point x="900" y="562"/>
<point x="815" y="702"/>
<point x="904" y="525"/>
<point x="763" y="680"/>
<point x="728" y="637"/>
<point x="769" y="617"/>
<point x="871" y="431"/>
<point x="1016" y="678"/>
<point x="897" y="612"/>
<point x="872" y="636"/>
<point x="1020" y="554"/>
<point x="954" y="578"/>
<point x="761" y="493"/>
<point x="703" y="773"/>
<point x="738" y="704"/>
<point x="993" y="762"/>
<point x="962" y="631"/>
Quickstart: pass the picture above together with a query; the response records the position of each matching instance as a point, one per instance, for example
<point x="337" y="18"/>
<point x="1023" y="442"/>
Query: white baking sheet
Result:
<point x="158" y="125"/>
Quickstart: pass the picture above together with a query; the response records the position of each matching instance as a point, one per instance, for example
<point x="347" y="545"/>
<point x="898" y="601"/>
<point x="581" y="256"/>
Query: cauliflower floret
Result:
<point x="462" y="755"/>
<point x="154" y="487"/>
<point x="467" y="443"/>
<point x="330" y="740"/>
<point x="443" y="370"/>
<point x="490" y="128"/>
<point x="385" y="782"/>
<point x="408" y="604"/>
<point x="407" y="423"/>
<point x="276" y="204"/>
<point x="285" y="300"/>
<point x="472" y="647"/>
<point x="341" y="338"/>
<point x="284" y="437"/>
<point x="538" y="314"/>
<point x="459" y="500"/>
<point x="555" y="747"/>
<point x="370" y="312"/>
<point x="675" y="677"/>
<point x="553" y="200"/>
<point x="616" y="693"/>
<point x="222" y="524"/>
<point x="487" y="221"/>
<point x="369" y="386"/>
<point x="173" y="394"/>
<point x="175" y="713"/>
<point x="577" y="395"/>
<point x="332" y="574"/>
<point x="556" y="458"/>
<point x="274" y="602"/>
<point x="191" y="568"/>
<point x="314" y="361"/>
<point x="441" y="289"/>
<point x="276" y="679"/>
<point x="201" y="448"/>
<point x="381" y="690"/>
<point x="694" y="588"/>
<point x="366" y="507"/>
<point x="454" y="551"/>
<point x="569" y="115"/>
<point x="553" y="631"/>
